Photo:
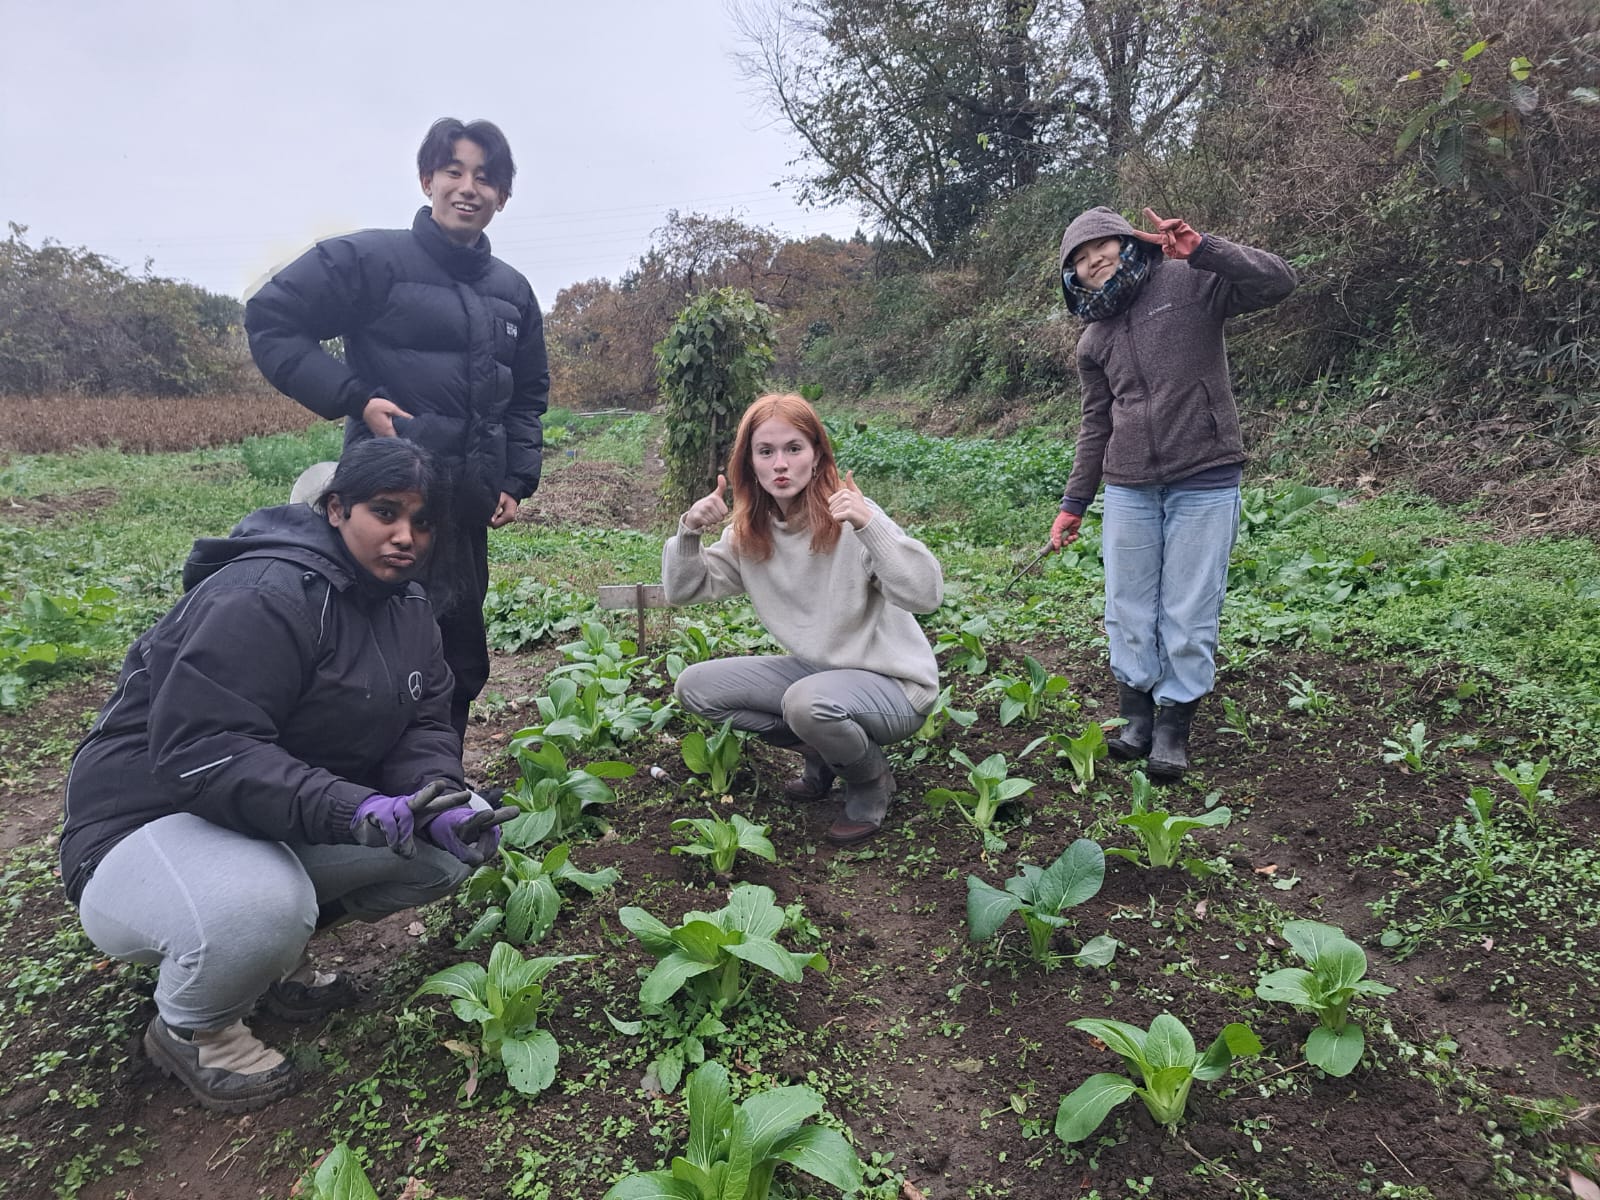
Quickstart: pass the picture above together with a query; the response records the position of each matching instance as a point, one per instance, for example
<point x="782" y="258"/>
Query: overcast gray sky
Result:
<point x="218" y="138"/>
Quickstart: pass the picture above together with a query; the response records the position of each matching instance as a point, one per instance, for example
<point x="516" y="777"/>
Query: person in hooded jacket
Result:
<point x="1160" y="428"/>
<point x="443" y="345"/>
<point x="277" y="757"/>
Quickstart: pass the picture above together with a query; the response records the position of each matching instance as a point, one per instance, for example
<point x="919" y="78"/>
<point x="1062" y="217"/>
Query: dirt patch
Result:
<point x="592" y="495"/>
<point x="948" y="1055"/>
<point x="47" y="508"/>
<point x="38" y="741"/>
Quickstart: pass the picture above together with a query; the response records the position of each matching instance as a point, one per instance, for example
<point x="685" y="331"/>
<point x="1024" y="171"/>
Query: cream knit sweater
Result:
<point x="850" y="609"/>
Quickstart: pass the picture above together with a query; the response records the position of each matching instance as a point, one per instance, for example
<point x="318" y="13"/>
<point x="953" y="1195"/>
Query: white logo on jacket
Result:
<point x="414" y="684"/>
<point x="511" y="329"/>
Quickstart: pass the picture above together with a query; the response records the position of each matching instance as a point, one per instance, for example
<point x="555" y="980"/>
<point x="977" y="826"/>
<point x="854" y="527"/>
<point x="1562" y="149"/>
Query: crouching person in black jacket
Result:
<point x="277" y="757"/>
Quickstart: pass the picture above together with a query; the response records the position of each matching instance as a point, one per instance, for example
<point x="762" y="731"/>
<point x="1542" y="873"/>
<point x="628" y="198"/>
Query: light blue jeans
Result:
<point x="1166" y="555"/>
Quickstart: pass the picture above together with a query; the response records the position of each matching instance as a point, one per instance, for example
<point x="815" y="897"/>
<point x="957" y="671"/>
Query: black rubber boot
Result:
<point x="1138" y="710"/>
<point x="868" y="787"/>
<point x="814" y="782"/>
<point x="1169" y="747"/>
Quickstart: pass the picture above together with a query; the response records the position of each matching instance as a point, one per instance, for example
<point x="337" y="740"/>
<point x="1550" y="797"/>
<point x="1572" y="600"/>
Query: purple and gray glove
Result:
<point x="470" y="831"/>
<point x="391" y="820"/>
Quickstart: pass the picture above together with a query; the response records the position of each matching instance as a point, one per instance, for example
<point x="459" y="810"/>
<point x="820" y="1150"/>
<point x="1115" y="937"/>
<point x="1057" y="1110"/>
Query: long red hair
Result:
<point x="754" y="510"/>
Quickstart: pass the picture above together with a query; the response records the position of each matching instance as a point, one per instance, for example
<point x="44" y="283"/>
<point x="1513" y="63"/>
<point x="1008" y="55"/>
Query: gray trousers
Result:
<point x="224" y="915"/>
<point x="840" y="714"/>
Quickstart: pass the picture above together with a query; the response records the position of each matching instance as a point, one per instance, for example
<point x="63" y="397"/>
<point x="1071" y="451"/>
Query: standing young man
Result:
<point x="443" y="345"/>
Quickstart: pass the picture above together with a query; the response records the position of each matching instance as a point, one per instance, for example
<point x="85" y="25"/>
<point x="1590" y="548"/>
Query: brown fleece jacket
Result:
<point x="1157" y="402"/>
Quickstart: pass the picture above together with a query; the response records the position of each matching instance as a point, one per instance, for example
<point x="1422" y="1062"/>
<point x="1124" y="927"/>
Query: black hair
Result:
<point x="438" y="150"/>
<point x="375" y="465"/>
<point x="392" y="464"/>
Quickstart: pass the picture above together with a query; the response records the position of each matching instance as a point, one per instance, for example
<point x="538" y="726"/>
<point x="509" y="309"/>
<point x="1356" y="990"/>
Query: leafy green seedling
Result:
<point x="1042" y="897"/>
<point x="1162" y="833"/>
<point x="1164" y="1059"/>
<point x="1083" y="752"/>
<point x="1026" y="696"/>
<point x="686" y="1034"/>
<point x="554" y="797"/>
<point x="1527" y="779"/>
<point x="1304" y="696"/>
<point x="522" y="894"/>
<point x="964" y="648"/>
<point x="734" y="1150"/>
<point x="720" y="840"/>
<point x="507" y="1002"/>
<point x="1335" y="978"/>
<point x="943" y="714"/>
<point x="338" y="1176"/>
<point x="1413" y="752"/>
<point x="717" y="758"/>
<point x="1481" y="838"/>
<point x="992" y="787"/>
<point x="706" y="951"/>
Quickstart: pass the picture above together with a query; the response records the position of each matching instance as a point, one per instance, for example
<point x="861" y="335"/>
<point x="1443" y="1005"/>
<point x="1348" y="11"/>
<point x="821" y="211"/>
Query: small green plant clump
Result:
<point x="507" y="1002"/>
<point x="1336" y="976"/>
<point x="522" y="895"/>
<point x="337" y="1176"/>
<point x="555" y="799"/>
<point x="721" y="840"/>
<point x="735" y="1150"/>
<point x="1043" y="897"/>
<point x="992" y="787"/>
<point x="1026" y="695"/>
<point x="1163" y="1058"/>
<point x="716" y="758"/>
<point x="1161" y="833"/>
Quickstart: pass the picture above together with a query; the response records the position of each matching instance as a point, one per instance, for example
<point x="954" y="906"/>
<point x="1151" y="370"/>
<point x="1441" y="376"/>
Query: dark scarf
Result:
<point x="1117" y="292"/>
<point x="465" y="263"/>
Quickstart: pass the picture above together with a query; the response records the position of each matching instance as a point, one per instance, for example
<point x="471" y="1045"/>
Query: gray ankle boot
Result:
<point x="1169" y="746"/>
<point x="868" y="787"/>
<point x="1138" y="710"/>
<point x="814" y="782"/>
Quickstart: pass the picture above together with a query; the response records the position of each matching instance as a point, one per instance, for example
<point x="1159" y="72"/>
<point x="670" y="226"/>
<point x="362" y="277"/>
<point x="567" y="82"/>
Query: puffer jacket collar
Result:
<point x="294" y="533"/>
<point x="465" y="263"/>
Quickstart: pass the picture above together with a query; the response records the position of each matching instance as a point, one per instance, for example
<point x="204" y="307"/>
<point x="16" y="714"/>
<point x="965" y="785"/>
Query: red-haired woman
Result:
<point x="835" y="582"/>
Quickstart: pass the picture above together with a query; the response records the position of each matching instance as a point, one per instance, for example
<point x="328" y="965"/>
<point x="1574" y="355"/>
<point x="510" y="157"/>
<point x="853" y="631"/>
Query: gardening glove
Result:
<point x="391" y="820"/>
<point x="470" y="831"/>
<point x="708" y="511"/>
<point x="1064" y="530"/>
<point x="1173" y="235"/>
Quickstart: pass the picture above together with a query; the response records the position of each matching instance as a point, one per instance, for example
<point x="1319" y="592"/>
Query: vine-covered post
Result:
<point x="710" y="366"/>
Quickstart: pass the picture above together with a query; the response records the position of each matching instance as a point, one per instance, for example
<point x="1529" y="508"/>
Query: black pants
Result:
<point x="466" y="645"/>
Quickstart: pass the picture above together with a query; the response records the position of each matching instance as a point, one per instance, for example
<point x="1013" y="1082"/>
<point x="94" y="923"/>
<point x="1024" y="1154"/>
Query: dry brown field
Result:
<point x="144" y="424"/>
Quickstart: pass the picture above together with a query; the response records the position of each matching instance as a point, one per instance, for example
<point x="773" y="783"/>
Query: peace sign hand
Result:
<point x="708" y="511"/>
<point x="1174" y="236"/>
<point x="849" y="505"/>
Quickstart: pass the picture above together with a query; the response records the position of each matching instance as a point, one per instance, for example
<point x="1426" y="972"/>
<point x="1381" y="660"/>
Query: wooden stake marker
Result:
<point x="637" y="596"/>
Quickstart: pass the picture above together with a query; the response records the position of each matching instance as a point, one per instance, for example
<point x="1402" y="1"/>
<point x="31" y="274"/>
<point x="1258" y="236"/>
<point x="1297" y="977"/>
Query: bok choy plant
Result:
<point x="1161" y="833"/>
<point x="1164" y="1059"/>
<point x="734" y="1150"/>
<point x="721" y="840"/>
<point x="716" y="757"/>
<point x="554" y="798"/>
<point x="1042" y="897"/>
<point x="523" y="895"/>
<point x="506" y="1001"/>
<point x="992" y="788"/>
<point x="1335" y="978"/>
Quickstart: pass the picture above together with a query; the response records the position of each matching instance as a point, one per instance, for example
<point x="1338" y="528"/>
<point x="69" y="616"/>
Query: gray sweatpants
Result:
<point x="224" y="915"/>
<point x="840" y="714"/>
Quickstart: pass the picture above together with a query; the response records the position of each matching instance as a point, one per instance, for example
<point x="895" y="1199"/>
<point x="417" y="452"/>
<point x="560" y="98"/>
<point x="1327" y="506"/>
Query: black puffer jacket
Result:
<point x="285" y="688"/>
<point x="449" y="333"/>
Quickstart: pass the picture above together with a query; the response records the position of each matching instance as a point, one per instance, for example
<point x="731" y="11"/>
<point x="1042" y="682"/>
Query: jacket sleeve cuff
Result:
<point x="1076" y="507"/>
<point x="345" y="799"/>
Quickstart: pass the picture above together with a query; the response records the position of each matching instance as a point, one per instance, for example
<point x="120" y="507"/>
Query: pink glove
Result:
<point x="1174" y="236"/>
<point x="1064" y="531"/>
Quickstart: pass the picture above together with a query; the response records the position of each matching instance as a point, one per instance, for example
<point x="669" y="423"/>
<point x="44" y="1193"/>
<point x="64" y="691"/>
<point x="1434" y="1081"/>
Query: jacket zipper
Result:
<point x="1144" y="386"/>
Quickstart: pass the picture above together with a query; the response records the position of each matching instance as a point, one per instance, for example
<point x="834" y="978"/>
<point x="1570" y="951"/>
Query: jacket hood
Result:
<point x="1086" y="227"/>
<point x="295" y="533"/>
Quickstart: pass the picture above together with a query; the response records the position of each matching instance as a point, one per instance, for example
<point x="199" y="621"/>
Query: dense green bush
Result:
<point x="72" y="321"/>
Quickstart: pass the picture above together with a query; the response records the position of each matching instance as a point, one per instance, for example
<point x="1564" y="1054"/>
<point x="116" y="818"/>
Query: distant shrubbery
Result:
<point x="73" y="321"/>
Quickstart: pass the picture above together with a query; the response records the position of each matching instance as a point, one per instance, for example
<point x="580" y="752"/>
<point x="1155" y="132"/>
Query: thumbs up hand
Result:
<point x="708" y="511"/>
<point x="848" y="505"/>
<point x="1173" y="235"/>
